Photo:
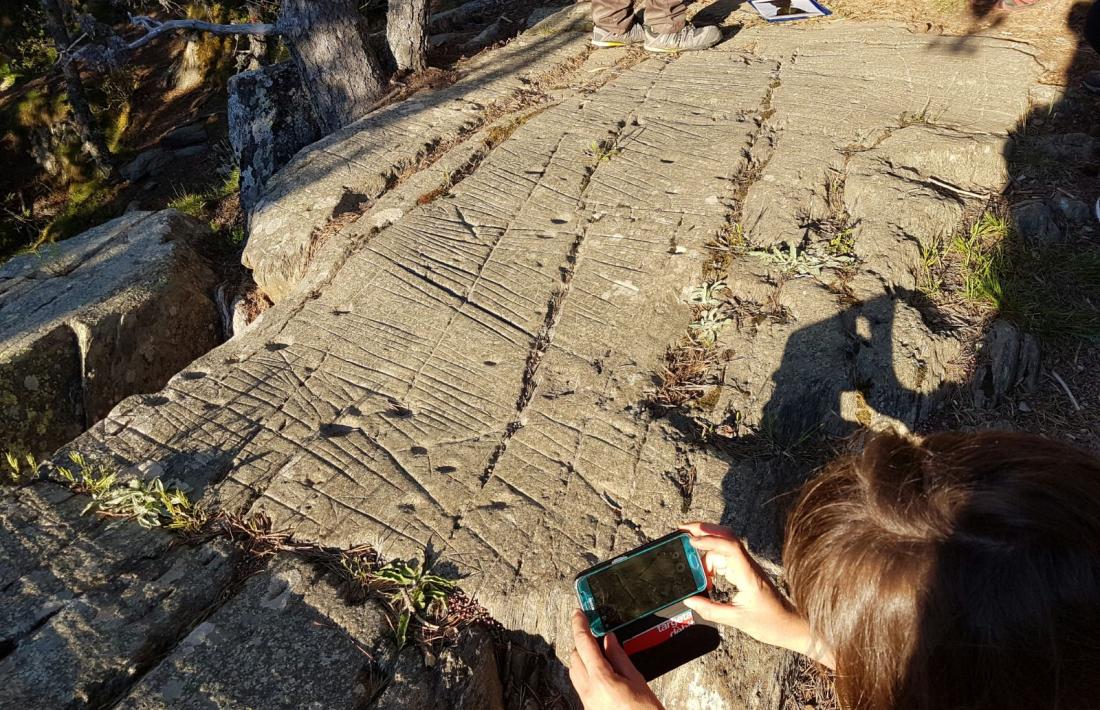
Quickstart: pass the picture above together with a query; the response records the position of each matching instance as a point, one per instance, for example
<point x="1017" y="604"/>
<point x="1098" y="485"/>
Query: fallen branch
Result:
<point x="110" y="50"/>
<point x="155" y="28"/>
<point x="957" y="190"/>
<point x="1065" y="387"/>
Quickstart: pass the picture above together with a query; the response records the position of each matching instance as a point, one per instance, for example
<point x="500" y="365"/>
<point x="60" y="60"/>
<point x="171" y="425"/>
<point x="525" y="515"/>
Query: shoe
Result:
<point x="689" y="39"/>
<point x="1092" y="82"/>
<point x="603" y="38"/>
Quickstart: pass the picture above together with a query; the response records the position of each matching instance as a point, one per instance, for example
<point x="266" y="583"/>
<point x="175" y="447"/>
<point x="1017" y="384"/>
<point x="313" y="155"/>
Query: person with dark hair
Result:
<point x="616" y="23"/>
<point x="945" y="572"/>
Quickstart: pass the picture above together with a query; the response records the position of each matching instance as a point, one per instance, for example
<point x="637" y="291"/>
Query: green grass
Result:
<point x="229" y="186"/>
<point x="1050" y="290"/>
<point x="203" y="205"/>
<point x="91" y="202"/>
<point x="20" y="467"/>
<point x="191" y="204"/>
<point x="196" y="204"/>
<point x="984" y="266"/>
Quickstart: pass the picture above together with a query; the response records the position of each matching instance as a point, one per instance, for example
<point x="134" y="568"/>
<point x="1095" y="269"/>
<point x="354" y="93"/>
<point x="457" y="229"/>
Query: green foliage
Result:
<point x="192" y="204"/>
<point x="842" y="244"/>
<point x="20" y="468"/>
<point x="90" y="203"/>
<point x="983" y="259"/>
<point x="235" y="236"/>
<point x="706" y="328"/>
<point x="1050" y="290"/>
<point x="230" y="186"/>
<point x="707" y="294"/>
<point x="599" y="151"/>
<point x="112" y="102"/>
<point x="196" y="204"/>
<point x="800" y="262"/>
<point x="149" y="504"/>
<point x="25" y="49"/>
<point x="133" y="500"/>
<point x="412" y="591"/>
<point x="90" y="478"/>
<point x="930" y="281"/>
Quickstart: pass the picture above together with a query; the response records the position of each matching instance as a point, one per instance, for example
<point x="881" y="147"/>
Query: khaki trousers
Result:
<point x="661" y="16"/>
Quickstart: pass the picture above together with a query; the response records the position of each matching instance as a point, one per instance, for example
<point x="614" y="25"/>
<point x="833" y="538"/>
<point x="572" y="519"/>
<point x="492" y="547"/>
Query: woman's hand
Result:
<point x="608" y="682"/>
<point x="757" y="608"/>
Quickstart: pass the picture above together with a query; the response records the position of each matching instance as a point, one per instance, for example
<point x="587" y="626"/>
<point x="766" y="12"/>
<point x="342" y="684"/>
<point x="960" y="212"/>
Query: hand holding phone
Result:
<point x="606" y="680"/>
<point x="757" y="608"/>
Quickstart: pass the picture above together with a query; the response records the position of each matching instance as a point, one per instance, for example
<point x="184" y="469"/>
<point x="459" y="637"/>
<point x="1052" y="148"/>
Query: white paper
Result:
<point x="777" y="10"/>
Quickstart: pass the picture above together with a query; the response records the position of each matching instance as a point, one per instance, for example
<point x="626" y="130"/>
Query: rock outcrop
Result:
<point x="110" y="313"/>
<point x="270" y="120"/>
<point x="96" y="613"/>
<point x="344" y="172"/>
<point x="468" y="367"/>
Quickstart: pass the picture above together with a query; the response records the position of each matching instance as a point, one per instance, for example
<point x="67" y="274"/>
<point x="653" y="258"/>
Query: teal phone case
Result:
<point x="588" y="603"/>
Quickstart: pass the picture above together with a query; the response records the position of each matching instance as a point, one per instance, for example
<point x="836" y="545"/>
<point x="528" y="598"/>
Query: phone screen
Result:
<point x="643" y="583"/>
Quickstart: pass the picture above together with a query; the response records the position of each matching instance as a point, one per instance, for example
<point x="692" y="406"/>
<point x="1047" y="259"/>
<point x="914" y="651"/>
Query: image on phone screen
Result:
<point x="642" y="584"/>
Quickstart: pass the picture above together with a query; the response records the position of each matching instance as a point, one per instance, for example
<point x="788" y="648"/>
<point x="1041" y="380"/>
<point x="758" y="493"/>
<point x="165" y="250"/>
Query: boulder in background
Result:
<point x="85" y="323"/>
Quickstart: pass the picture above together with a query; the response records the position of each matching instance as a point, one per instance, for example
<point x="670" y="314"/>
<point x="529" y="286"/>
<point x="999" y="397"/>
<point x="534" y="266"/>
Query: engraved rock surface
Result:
<point x="468" y="366"/>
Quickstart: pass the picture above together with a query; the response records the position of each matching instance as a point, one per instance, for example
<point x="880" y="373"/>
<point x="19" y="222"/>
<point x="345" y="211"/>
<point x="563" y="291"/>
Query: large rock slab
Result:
<point x="85" y="323"/>
<point x="934" y="121"/>
<point x="345" y="171"/>
<point x="470" y="373"/>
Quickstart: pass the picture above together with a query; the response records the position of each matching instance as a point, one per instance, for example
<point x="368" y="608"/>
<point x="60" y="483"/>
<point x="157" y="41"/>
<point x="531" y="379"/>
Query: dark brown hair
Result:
<point x="954" y="571"/>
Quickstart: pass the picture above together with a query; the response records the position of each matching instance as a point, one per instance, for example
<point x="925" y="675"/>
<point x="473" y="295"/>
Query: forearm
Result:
<point x="803" y="641"/>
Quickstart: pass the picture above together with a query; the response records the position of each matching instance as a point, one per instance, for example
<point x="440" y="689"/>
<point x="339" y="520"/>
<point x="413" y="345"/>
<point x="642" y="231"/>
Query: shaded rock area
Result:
<point x="88" y="603"/>
<point x="101" y="614"/>
<point x="102" y="316"/>
<point x="148" y="162"/>
<point x="1008" y="362"/>
<point x="465" y="361"/>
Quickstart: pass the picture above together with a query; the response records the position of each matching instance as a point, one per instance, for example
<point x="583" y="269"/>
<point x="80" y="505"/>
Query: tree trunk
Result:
<point x="90" y="135"/>
<point x="406" y="33"/>
<point x="343" y="79"/>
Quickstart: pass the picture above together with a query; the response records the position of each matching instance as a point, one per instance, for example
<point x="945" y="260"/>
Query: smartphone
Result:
<point x="640" y="582"/>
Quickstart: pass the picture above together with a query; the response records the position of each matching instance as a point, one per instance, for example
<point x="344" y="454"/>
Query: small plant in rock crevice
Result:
<point x="800" y="262"/>
<point x="708" y="325"/>
<point x="707" y="294"/>
<point x="843" y="244"/>
<point x="149" y="504"/>
<point x="20" y="468"/>
<point x="600" y="151"/>
<point x="413" y="593"/>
